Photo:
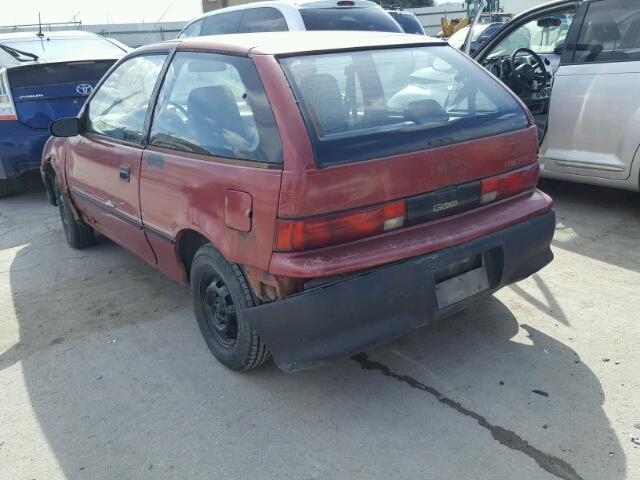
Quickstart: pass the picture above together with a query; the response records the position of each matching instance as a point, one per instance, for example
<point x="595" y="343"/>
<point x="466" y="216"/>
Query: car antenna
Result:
<point x="39" y="34"/>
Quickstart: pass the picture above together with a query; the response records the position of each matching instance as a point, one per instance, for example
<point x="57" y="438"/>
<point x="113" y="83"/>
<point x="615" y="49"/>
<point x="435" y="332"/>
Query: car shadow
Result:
<point x="122" y="386"/>
<point x="587" y="226"/>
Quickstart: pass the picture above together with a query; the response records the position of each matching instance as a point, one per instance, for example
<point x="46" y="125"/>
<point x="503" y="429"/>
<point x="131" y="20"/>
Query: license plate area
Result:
<point x="462" y="279"/>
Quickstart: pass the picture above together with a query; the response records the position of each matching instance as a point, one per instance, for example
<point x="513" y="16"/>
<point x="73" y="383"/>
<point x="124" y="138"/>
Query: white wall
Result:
<point x="430" y="16"/>
<point x="519" y="6"/>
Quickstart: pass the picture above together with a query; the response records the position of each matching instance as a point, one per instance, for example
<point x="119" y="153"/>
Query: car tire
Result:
<point x="220" y="291"/>
<point x="50" y="189"/>
<point x="6" y="187"/>
<point x="78" y="234"/>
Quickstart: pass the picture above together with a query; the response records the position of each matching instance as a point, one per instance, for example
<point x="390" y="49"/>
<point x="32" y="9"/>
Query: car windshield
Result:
<point x="373" y="19"/>
<point x="366" y="104"/>
<point x="51" y="48"/>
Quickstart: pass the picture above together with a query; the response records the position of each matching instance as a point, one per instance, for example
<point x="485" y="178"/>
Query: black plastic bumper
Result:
<point x="374" y="307"/>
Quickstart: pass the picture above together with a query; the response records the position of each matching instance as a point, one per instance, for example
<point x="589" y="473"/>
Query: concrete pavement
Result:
<point x="104" y="374"/>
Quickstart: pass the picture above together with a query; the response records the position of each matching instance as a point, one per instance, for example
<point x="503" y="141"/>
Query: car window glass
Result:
<point x="265" y="19"/>
<point x="215" y="104"/>
<point x="409" y="23"/>
<point x="56" y="48"/>
<point x="119" y="107"/>
<point x="192" y="30"/>
<point x="367" y="104"/>
<point x="610" y="33"/>
<point x="372" y="19"/>
<point x="545" y="34"/>
<point x="222" y="23"/>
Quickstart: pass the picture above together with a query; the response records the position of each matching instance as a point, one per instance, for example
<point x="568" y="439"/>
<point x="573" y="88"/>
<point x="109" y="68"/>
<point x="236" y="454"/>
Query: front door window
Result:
<point x="543" y="35"/>
<point x="119" y="108"/>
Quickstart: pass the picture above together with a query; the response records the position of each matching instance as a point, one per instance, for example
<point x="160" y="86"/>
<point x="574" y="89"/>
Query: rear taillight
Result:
<point x="316" y="232"/>
<point x="501" y="186"/>
<point x="346" y="3"/>
<point x="7" y="108"/>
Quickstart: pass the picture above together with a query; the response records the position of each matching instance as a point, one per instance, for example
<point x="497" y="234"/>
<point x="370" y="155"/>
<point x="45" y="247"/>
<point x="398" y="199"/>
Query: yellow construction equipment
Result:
<point x="451" y="26"/>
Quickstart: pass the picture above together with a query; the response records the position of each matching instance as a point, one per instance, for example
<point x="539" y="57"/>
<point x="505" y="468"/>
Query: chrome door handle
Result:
<point x="125" y="173"/>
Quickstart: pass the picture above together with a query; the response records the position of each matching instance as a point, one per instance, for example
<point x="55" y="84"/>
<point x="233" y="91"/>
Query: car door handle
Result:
<point x="125" y="173"/>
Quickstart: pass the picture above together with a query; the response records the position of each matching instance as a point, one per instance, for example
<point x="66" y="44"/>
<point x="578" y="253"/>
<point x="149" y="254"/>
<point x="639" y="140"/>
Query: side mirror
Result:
<point x="65" y="127"/>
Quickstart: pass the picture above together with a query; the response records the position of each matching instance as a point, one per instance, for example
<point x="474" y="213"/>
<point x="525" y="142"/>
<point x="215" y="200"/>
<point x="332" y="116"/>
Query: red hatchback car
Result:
<point x="317" y="203"/>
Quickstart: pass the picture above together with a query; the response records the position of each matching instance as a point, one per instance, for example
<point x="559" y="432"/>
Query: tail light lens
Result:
<point x="7" y="108"/>
<point x="306" y="234"/>
<point x="502" y="186"/>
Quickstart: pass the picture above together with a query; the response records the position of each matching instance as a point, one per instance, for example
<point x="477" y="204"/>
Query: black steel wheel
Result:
<point x="220" y="292"/>
<point x="219" y="310"/>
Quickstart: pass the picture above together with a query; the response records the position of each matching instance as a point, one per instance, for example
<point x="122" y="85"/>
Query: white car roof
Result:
<point x="286" y="4"/>
<point x="286" y="43"/>
<point x="47" y="34"/>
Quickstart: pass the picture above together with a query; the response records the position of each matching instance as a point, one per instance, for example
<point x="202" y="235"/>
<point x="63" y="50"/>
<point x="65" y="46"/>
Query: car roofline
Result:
<point x="280" y="3"/>
<point x="294" y="43"/>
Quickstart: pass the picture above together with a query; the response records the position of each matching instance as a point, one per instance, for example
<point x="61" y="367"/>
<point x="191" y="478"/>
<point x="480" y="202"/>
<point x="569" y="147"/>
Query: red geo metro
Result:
<point x="317" y="203"/>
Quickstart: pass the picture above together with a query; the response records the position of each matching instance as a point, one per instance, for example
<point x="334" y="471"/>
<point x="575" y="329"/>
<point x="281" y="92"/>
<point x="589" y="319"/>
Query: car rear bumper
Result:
<point x="376" y="306"/>
<point x="20" y="148"/>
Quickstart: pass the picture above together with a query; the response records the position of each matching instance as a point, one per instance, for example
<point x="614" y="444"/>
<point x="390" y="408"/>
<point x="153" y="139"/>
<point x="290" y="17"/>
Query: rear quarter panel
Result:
<point x="187" y="191"/>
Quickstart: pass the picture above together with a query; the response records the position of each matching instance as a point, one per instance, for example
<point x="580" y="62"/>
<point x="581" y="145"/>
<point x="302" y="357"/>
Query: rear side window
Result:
<point x="265" y="19"/>
<point x="222" y="23"/>
<point x="215" y="104"/>
<point x="409" y="23"/>
<point x="360" y="105"/>
<point x="192" y="30"/>
<point x="373" y="19"/>
<point x="119" y="108"/>
<point x="610" y="33"/>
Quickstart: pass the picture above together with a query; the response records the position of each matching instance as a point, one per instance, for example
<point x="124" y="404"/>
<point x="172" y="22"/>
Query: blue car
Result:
<point x="44" y="77"/>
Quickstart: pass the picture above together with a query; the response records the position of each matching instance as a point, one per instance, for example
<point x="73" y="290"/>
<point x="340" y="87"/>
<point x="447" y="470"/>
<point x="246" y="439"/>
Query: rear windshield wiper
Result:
<point x="15" y="53"/>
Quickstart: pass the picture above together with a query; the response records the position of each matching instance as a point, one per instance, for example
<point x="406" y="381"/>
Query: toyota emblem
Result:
<point x="84" y="89"/>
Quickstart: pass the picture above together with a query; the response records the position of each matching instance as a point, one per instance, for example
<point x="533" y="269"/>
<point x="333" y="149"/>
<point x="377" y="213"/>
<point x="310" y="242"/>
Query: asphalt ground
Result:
<point x="104" y="374"/>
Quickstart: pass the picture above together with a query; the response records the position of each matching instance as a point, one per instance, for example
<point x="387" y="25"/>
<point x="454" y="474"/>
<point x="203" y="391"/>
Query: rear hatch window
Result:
<point x="366" y="104"/>
<point x="349" y="18"/>
<point x="46" y="92"/>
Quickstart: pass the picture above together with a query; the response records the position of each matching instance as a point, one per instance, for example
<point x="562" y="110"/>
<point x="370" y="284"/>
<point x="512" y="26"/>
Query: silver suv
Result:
<point x="576" y="65"/>
<point x="282" y="16"/>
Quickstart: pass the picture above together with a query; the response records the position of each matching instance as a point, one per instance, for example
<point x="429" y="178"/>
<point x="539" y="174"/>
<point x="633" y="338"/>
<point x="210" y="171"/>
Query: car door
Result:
<point x="542" y="31"/>
<point x="103" y="162"/>
<point x="594" y="116"/>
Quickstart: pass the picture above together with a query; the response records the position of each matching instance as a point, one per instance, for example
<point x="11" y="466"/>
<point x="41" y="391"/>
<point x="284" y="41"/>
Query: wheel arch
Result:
<point x="48" y="174"/>
<point x="188" y="241"/>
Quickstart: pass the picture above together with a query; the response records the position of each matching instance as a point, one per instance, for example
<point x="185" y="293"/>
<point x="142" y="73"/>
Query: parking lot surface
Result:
<point x="104" y="374"/>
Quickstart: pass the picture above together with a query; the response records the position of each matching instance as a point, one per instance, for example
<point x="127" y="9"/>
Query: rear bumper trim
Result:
<point x="413" y="241"/>
<point x="374" y="307"/>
